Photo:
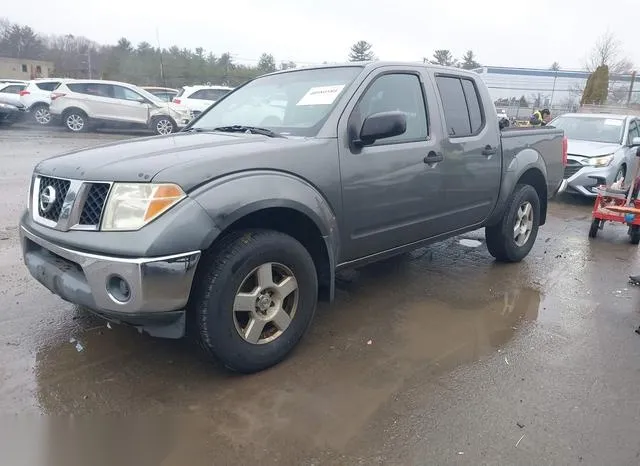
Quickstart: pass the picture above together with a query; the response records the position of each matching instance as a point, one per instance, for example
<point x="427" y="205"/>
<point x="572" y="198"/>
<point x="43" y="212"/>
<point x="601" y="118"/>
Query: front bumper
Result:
<point x="587" y="178"/>
<point x="157" y="288"/>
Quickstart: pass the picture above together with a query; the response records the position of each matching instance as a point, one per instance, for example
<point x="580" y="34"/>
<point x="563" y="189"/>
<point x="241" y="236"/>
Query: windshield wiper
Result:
<point x="248" y="130"/>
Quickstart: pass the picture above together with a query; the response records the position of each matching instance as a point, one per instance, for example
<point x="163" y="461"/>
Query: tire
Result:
<point x="595" y="226"/>
<point x="501" y="240"/>
<point x="163" y="125"/>
<point x="75" y="121"/>
<point x="635" y="234"/>
<point x="41" y="114"/>
<point x="231" y="269"/>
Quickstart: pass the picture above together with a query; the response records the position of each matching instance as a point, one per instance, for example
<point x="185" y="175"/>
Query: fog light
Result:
<point x="118" y="289"/>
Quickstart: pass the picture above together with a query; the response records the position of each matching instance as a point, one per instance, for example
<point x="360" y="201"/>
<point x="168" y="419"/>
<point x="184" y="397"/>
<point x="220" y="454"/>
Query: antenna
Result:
<point x="164" y="82"/>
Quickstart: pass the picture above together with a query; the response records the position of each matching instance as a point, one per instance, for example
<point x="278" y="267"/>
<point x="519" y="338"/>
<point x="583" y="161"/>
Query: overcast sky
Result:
<point x="503" y="33"/>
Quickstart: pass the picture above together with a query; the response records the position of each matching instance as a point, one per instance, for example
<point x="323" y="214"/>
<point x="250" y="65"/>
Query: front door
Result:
<point x="391" y="189"/>
<point x="129" y="106"/>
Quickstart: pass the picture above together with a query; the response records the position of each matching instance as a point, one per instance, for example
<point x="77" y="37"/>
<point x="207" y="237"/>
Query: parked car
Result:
<point x="164" y="93"/>
<point x="198" y="98"/>
<point x="36" y="97"/>
<point x="239" y="226"/>
<point x="10" y="92"/>
<point x="601" y="149"/>
<point x="10" y="113"/>
<point x="82" y="104"/>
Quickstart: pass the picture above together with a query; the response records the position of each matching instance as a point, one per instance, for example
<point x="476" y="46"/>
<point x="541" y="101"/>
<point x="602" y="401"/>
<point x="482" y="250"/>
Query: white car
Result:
<point x="199" y="98"/>
<point x="36" y="97"/>
<point x="10" y="92"/>
<point x="83" y="104"/>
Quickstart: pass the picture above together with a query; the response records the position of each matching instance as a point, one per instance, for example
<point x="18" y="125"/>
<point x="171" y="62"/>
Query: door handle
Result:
<point x="433" y="157"/>
<point x="488" y="150"/>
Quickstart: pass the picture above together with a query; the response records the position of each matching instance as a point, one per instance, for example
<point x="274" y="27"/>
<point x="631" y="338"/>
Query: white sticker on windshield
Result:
<point x="323" y="95"/>
<point x="611" y="122"/>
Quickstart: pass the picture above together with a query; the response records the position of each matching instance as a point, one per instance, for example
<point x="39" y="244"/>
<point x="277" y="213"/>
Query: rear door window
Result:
<point x="216" y="94"/>
<point x="462" y="107"/>
<point x="13" y="89"/>
<point x="98" y="90"/>
<point x="200" y="94"/>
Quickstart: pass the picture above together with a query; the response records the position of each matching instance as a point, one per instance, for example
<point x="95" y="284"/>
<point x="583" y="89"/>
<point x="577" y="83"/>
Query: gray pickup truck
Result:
<point x="231" y="230"/>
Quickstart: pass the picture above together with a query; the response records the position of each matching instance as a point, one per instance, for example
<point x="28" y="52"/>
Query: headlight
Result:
<point x="602" y="161"/>
<point x="131" y="206"/>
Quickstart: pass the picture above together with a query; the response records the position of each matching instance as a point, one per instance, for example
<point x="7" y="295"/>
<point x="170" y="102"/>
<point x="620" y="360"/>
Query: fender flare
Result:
<point x="525" y="160"/>
<point x="232" y="197"/>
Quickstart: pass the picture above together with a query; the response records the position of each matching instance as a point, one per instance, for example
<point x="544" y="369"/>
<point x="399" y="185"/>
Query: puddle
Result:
<point x="470" y="243"/>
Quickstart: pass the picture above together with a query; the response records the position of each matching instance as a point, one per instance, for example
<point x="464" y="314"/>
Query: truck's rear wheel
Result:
<point x="255" y="298"/>
<point x="512" y="238"/>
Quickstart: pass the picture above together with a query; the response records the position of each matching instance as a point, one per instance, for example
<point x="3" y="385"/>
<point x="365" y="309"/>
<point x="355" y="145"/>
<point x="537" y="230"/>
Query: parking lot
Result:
<point x="441" y="354"/>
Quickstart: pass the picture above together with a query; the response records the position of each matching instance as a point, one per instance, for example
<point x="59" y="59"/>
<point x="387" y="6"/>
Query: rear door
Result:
<point x="94" y="98"/>
<point x="471" y="148"/>
<point x="391" y="194"/>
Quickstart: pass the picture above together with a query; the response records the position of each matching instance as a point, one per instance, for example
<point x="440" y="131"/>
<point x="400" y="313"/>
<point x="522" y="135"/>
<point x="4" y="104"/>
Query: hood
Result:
<point x="188" y="159"/>
<point x="591" y="148"/>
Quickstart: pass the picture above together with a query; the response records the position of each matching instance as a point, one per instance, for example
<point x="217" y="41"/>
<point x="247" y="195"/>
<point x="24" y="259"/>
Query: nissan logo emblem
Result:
<point x="47" y="199"/>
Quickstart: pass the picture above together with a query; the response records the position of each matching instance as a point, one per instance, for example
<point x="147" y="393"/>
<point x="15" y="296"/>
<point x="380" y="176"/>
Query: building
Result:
<point x="562" y="89"/>
<point x="22" y="68"/>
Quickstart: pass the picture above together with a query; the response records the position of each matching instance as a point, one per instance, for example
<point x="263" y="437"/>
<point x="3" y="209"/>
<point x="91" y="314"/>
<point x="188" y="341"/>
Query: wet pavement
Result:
<point x="437" y="357"/>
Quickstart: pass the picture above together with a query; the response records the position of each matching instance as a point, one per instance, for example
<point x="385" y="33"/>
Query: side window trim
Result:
<point x="419" y="77"/>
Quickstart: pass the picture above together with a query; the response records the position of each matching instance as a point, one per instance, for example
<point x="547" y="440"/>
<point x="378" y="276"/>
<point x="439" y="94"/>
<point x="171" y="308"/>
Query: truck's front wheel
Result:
<point x="512" y="238"/>
<point x="255" y="298"/>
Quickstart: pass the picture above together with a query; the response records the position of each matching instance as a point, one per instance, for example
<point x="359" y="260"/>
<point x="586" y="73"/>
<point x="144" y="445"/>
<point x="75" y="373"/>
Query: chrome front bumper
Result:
<point x="155" y="285"/>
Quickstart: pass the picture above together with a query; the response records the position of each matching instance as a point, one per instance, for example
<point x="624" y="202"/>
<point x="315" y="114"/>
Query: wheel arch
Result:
<point x="280" y="202"/>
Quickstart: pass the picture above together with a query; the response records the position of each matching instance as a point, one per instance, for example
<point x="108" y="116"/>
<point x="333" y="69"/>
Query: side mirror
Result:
<point x="635" y="142"/>
<point x="380" y="126"/>
<point x="142" y="100"/>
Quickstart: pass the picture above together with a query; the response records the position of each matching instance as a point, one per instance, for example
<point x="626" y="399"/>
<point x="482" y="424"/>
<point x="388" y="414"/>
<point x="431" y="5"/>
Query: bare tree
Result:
<point x="608" y="51"/>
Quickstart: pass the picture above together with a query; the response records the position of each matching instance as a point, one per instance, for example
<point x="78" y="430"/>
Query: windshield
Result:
<point x="295" y="103"/>
<point x="607" y="130"/>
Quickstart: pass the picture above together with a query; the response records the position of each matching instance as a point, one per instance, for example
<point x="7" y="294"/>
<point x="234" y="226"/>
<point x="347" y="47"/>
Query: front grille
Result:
<point x="93" y="205"/>
<point x="51" y="197"/>
<point x="571" y="169"/>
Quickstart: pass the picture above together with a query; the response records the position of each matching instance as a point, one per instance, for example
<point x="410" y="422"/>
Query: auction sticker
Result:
<point x="323" y="95"/>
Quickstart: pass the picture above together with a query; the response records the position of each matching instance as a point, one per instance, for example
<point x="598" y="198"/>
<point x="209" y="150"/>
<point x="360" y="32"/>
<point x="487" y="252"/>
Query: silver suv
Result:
<point x="83" y="104"/>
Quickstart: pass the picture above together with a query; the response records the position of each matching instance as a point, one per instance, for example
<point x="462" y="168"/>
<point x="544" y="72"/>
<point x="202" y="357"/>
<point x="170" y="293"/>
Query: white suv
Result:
<point x="36" y="97"/>
<point x="198" y="98"/>
<point x="83" y="104"/>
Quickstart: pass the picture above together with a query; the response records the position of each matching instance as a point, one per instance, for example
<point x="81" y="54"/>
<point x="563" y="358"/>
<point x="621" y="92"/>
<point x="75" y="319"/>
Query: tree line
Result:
<point x="363" y="51"/>
<point x="142" y="64"/>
